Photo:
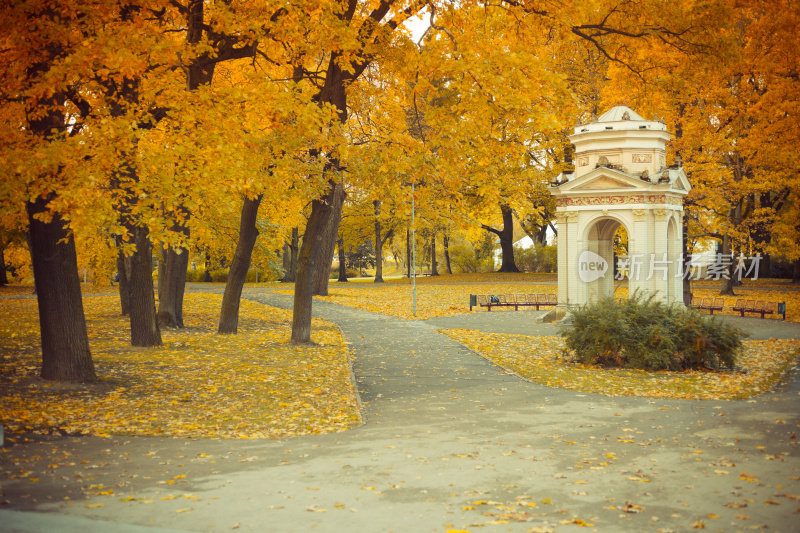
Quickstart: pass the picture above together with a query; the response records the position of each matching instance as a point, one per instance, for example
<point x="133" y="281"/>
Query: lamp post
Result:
<point x="413" y="258"/>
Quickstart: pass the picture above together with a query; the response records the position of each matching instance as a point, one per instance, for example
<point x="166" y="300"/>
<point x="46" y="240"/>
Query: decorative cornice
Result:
<point x="619" y="199"/>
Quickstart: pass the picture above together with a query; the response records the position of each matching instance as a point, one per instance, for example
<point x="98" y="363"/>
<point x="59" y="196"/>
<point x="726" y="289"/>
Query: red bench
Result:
<point x="546" y="299"/>
<point x="512" y="300"/>
<point x="709" y="304"/>
<point x="761" y="307"/>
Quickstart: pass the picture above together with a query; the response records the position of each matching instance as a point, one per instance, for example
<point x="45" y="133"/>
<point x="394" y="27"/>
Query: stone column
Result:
<point x="575" y="288"/>
<point x="563" y="257"/>
<point x="638" y="246"/>
<point x="660" y="253"/>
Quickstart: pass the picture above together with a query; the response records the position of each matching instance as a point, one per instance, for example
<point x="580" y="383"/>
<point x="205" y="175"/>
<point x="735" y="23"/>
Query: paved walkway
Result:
<point x="449" y="441"/>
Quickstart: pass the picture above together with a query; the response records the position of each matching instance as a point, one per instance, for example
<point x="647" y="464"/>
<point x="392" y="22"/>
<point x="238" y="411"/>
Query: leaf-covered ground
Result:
<point x="449" y="295"/>
<point x="199" y="384"/>
<point x="436" y="296"/>
<point x="542" y="360"/>
<point x="452" y="297"/>
<point x="764" y="292"/>
<point x="432" y="300"/>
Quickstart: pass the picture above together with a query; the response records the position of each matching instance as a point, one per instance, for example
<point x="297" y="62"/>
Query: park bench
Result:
<point x="546" y="299"/>
<point x="761" y="307"/>
<point x="709" y="304"/>
<point x="511" y="300"/>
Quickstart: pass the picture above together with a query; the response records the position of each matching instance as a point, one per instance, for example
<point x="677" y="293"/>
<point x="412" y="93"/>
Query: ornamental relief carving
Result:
<point x="642" y="158"/>
<point x="619" y="199"/>
<point x="583" y="161"/>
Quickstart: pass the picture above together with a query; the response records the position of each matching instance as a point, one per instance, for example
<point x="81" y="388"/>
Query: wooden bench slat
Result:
<point x="516" y="300"/>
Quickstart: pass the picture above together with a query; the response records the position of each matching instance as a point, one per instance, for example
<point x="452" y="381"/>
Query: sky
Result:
<point x="418" y="25"/>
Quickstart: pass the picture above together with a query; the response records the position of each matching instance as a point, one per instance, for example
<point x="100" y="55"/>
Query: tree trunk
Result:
<point x="687" y="261"/>
<point x="29" y="241"/>
<point x="323" y="223"/>
<point x="796" y="271"/>
<point x="3" y="275"/>
<point x="506" y="236"/>
<point x="727" y="283"/>
<point x="507" y="241"/>
<point x="446" y="249"/>
<point x="295" y="252"/>
<point x="62" y="324"/>
<point x="286" y="258"/>
<point x="378" y="243"/>
<point x="434" y="262"/>
<point x="171" y="286"/>
<point x="248" y="233"/>
<point x="65" y="343"/>
<point x="342" y="260"/>
<point x="207" y="267"/>
<point x="162" y="271"/>
<point x="144" y="326"/>
<point x="310" y="257"/>
<point x="541" y="235"/>
<point x="123" y="271"/>
<point x="330" y="235"/>
<point x="765" y="266"/>
<point x="290" y="257"/>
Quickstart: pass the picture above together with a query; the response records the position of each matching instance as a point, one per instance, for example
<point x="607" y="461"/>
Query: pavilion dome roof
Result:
<point x="619" y="113"/>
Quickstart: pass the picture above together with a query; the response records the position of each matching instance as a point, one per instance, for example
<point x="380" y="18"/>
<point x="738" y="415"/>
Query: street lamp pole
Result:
<point x="413" y="258"/>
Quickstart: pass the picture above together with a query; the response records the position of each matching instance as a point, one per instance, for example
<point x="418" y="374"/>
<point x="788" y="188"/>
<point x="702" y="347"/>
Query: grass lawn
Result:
<point x="448" y="295"/>
<point x="199" y="384"/>
<point x="542" y="360"/>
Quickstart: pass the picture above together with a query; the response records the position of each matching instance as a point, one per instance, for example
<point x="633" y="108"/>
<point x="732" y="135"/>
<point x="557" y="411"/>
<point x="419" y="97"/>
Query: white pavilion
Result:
<point x="620" y="179"/>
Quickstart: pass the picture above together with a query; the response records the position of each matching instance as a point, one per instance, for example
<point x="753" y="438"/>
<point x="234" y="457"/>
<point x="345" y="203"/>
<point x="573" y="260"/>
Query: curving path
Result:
<point x="445" y="429"/>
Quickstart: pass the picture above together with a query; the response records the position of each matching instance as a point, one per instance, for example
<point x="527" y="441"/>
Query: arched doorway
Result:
<point x="674" y="282"/>
<point x="607" y="237"/>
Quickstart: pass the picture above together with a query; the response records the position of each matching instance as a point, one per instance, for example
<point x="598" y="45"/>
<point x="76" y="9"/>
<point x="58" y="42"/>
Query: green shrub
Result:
<point x="219" y="275"/>
<point x="264" y="274"/>
<point x="538" y="258"/>
<point x="196" y="276"/>
<point x="463" y="259"/>
<point x="349" y="272"/>
<point x="646" y="334"/>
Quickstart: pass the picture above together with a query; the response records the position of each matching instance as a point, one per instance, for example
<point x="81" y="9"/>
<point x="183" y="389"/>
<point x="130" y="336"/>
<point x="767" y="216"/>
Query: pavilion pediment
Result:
<point x="611" y="180"/>
<point x="605" y="182"/>
<point x="605" y="179"/>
